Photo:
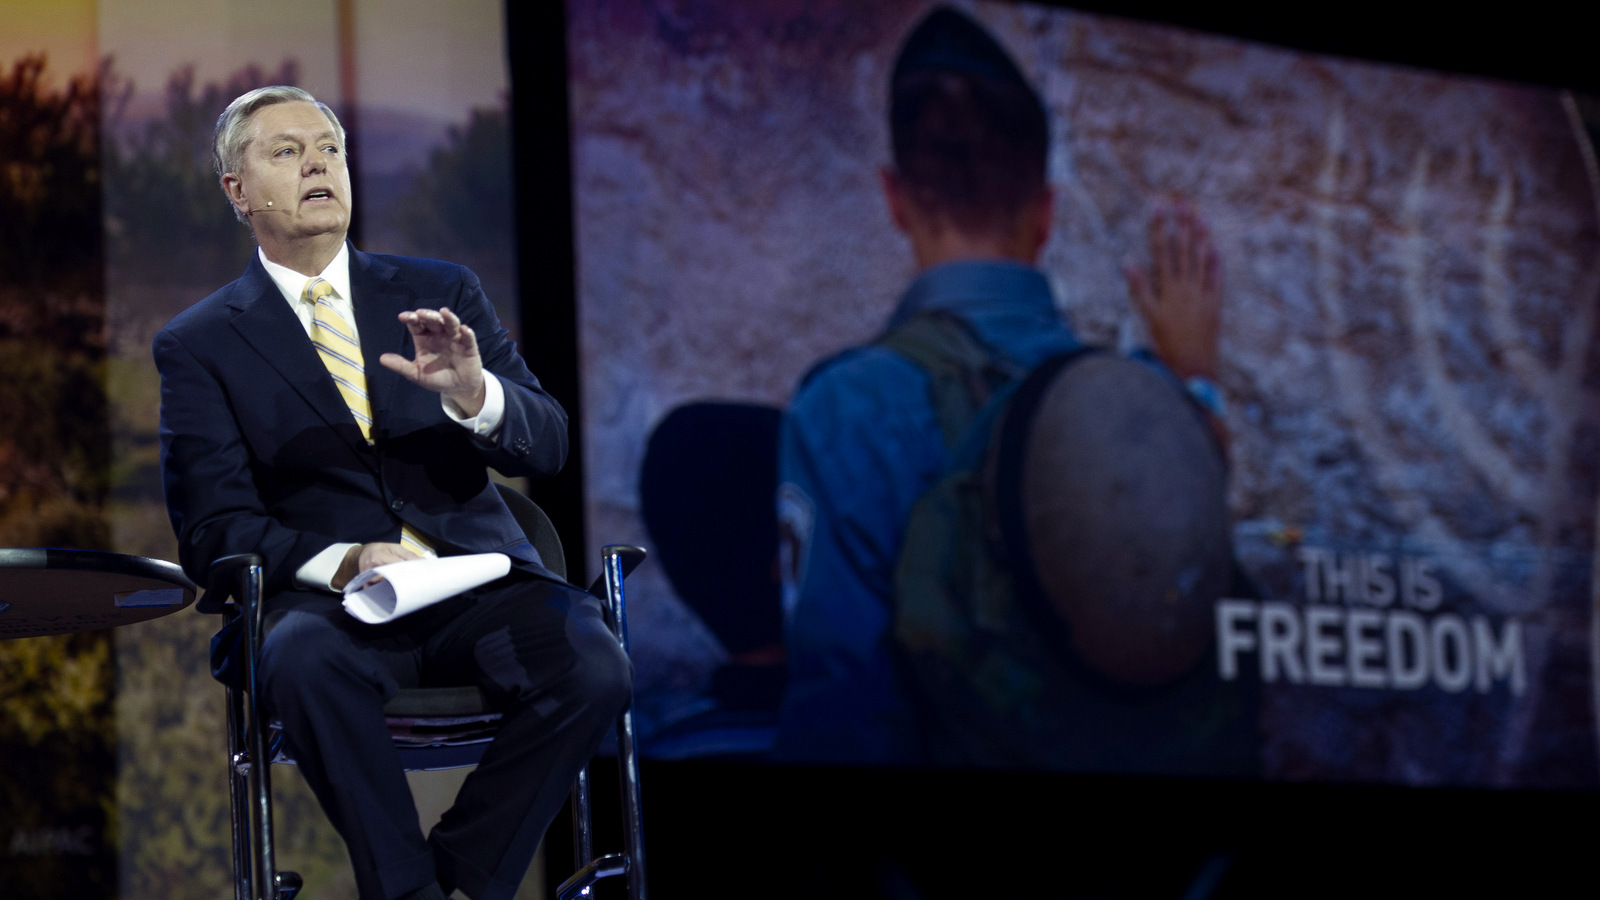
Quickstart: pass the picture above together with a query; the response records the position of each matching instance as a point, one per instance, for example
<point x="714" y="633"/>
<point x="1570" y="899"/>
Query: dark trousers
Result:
<point x="542" y="653"/>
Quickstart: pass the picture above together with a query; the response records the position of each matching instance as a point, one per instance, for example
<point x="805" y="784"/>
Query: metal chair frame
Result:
<point x="252" y="737"/>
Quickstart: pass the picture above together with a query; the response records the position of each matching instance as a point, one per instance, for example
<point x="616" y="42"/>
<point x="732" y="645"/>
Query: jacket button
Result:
<point x="397" y="505"/>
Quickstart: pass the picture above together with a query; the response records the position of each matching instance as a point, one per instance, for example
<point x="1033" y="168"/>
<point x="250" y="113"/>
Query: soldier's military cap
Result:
<point x="949" y="40"/>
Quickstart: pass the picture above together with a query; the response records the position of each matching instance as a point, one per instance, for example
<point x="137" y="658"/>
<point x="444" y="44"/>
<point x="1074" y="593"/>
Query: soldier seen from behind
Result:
<point x="1001" y="547"/>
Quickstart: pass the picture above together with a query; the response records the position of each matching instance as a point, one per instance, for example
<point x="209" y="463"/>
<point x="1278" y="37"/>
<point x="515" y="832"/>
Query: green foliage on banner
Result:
<point x="116" y="764"/>
<point x="459" y="206"/>
<point x="56" y="791"/>
<point x="49" y="190"/>
<point x="55" y="453"/>
<point x="166" y="217"/>
<point x="57" y="809"/>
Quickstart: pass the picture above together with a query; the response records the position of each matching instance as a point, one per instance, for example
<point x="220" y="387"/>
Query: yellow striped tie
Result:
<point x="341" y="353"/>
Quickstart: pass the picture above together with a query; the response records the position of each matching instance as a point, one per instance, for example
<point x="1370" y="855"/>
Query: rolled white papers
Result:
<point x="388" y="592"/>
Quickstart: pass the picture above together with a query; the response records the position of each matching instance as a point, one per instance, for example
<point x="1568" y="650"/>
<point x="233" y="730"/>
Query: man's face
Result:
<point x="293" y="183"/>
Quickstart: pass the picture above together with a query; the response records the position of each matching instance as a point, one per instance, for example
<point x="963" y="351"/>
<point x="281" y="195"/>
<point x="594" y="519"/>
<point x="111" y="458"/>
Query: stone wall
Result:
<point x="1409" y="344"/>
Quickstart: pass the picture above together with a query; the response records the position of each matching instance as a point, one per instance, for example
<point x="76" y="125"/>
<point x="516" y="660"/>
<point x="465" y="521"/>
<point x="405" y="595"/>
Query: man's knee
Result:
<point x="608" y="679"/>
<point x="579" y="667"/>
<point x="602" y="674"/>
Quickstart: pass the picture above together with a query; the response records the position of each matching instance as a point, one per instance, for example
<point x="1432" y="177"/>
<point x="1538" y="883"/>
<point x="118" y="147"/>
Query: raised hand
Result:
<point x="1180" y="299"/>
<point x="447" y="360"/>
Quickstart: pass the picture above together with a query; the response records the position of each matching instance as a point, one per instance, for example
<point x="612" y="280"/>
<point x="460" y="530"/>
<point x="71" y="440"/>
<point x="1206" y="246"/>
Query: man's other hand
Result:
<point x="362" y="557"/>
<point x="1181" y="297"/>
<point x="447" y="359"/>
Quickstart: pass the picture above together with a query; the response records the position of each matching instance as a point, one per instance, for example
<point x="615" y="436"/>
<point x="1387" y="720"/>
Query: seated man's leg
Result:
<point x="542" y="651"/>
<point x="327" y="676"/>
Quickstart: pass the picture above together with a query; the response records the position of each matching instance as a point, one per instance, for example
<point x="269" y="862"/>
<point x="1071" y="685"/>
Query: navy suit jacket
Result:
<point x="261" y="455"/>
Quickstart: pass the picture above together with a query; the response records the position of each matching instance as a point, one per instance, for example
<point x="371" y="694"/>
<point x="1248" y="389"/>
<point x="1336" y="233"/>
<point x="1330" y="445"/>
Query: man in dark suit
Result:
<point x="281" y="437"/>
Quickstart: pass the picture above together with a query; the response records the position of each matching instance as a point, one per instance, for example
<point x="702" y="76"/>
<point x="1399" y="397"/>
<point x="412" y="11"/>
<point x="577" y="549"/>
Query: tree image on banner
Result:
<point x="57" y="822"/>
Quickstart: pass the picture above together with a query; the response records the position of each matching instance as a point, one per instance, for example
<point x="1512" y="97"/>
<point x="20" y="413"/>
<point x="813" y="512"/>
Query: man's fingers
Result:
<point x="1138" y="289"/>
<point x="1180" y="243"/>
<point x="394" y="362"/>
<point x="429" y="319"/>
<point x="1157" y="231"/>
<point x="446" y="351"/>
<point x="441" y="323"/>
<point x="1198" y="246"/>
<point x="1182" y="257"/>
<point x="380" y="553"/>
<point x="387" y="553"/>
<point x="1174" y="246"/>
<point x="1213" y="273"/>
<point x="1200" y="250"/>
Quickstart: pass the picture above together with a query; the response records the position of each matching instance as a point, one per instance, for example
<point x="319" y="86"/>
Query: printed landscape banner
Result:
<point x="112" y="221"/>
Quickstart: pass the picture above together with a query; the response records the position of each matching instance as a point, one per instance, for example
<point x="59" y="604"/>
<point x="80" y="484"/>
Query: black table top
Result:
<point x="49" y="591"/>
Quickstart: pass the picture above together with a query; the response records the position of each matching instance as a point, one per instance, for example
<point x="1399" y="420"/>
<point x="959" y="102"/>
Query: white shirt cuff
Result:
<point x="488" y="419"/>
<point x="318" y="571"/>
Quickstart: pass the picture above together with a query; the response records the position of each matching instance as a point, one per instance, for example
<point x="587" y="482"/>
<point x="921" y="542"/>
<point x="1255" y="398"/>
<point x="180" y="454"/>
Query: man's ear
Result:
<point x="233" y="186"/>
<point x="894" y="193"/>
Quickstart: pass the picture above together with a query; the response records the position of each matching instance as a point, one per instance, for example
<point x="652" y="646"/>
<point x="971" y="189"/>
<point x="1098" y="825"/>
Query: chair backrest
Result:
<point x="538" y="527"/>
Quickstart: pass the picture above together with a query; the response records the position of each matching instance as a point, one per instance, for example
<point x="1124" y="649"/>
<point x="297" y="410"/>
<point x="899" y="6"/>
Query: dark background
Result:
<point x="770" y="831"/>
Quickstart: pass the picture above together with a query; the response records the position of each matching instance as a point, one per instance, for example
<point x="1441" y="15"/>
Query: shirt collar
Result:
<point x="293" y="285"/>
<point x="971" y="284"/>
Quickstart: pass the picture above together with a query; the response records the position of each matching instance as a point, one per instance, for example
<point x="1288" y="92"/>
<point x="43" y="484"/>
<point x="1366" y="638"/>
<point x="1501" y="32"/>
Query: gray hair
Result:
<point x="233" y="126"/>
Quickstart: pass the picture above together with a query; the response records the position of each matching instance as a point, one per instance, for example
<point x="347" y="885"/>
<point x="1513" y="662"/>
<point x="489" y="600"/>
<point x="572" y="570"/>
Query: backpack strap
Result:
<point x="1007" y="453"/>
<point x="963" y="370"/>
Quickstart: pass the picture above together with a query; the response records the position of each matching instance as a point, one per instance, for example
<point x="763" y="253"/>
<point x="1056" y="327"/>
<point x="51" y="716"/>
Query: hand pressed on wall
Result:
<point x="1180" y="298"/>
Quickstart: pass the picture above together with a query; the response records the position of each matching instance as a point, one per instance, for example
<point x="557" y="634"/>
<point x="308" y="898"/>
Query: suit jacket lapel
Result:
<point x="379" y="302"/>
<point x="264" y="320"/>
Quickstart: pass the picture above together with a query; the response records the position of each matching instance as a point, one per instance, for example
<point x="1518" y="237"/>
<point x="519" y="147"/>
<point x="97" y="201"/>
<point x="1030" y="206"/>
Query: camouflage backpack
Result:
<point x="1053" y="594"/>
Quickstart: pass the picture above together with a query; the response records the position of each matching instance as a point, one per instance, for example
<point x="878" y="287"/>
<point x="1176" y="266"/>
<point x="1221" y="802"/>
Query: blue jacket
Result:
<point x="860" y="445"/>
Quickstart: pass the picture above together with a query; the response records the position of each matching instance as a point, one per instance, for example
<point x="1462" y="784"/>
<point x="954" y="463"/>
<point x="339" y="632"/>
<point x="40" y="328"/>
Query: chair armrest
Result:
<point x="628" y="557"/>
<point x="224" y="582"/>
